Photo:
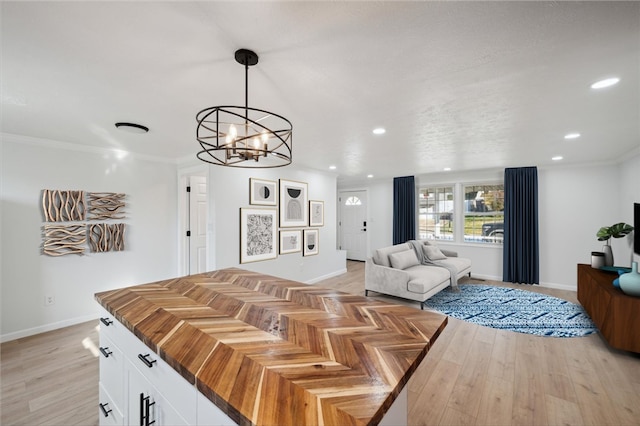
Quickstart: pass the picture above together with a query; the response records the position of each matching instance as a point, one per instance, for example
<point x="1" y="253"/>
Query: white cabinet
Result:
<point x="147" y="405"/>
<point x="111" y="394"/>
<point x="210" y="415"/>
<point x="137" y="387"/>
<point x="110" y="413"/>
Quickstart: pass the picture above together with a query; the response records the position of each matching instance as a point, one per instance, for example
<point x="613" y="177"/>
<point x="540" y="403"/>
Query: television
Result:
<point x="636" y="228"/>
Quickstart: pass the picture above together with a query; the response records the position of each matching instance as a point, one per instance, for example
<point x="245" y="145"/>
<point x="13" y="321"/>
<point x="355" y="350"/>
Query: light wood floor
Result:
<point x="472" y="376"/>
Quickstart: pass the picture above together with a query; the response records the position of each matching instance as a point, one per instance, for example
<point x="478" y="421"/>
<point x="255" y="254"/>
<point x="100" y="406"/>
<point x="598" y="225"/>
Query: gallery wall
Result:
<point x="229" y="191"/>
<point x="574" y="202"/>
<point x="31" y="165"/>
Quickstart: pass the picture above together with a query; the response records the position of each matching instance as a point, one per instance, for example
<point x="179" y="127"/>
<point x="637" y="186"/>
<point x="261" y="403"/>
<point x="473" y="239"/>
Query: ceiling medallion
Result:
<point x="240" y="136"/>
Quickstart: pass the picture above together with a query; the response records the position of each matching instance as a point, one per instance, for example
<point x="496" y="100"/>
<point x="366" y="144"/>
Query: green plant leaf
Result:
<point x="621" y="229"/>
<point x="604" y="233"/>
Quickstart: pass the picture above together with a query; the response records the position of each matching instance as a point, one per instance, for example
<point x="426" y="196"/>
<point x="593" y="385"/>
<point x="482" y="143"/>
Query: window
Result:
<point x="436" y="213"/>
<point x="353" y="201"/>
<point x="484" y="213"/>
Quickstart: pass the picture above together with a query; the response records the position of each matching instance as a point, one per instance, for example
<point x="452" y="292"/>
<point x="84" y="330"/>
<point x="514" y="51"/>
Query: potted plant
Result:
<point x="605" y="233"/>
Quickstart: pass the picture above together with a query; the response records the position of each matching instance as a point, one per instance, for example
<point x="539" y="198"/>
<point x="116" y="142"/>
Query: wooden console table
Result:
<point x="616" y="315"/>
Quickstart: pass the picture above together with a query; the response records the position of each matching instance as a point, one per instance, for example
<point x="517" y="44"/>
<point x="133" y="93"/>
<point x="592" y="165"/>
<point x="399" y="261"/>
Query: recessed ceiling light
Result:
<point x="557" y="158"/>
<point x="332" y="167"/>
<point x="572" y="135"/>
<point x="447" y="169"/>
<point x="369" y="176"/>
<point x="132" y="127"/>
<point x="379" y="131"/>
<point x="605" y="83"/>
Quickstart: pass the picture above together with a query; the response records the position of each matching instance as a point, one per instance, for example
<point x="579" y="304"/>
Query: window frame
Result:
<point x="459" y="212"/>
<point x="450" y="222"/>
<point x="497" y="233"/>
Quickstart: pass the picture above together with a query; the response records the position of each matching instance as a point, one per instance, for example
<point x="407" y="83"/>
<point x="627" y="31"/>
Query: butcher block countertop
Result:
<point x="270" y="351"/>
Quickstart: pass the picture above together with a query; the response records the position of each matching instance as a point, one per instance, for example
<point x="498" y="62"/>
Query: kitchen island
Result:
<point x="259" y="349"/>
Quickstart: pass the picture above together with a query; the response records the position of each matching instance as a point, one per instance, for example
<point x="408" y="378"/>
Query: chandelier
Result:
<point x="237" y="136"/>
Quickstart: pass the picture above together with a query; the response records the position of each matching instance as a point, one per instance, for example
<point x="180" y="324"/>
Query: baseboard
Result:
<point x="327" y="276"/>
<point x="44" y="328"/>
<point x="559" y="286"/>
<point x="480" y="277"/>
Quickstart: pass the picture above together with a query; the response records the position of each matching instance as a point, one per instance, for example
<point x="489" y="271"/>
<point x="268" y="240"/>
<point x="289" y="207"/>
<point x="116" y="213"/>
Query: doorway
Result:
<point x="194" y="201"/>
<point x="352" y="224"/>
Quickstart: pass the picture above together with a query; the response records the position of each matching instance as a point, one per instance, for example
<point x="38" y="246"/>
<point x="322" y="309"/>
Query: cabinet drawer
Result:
<point x="112" y="369"/>
<point x="108" y="412"/>
<point x="175" y="389"/>
<point x="110" y="326"/>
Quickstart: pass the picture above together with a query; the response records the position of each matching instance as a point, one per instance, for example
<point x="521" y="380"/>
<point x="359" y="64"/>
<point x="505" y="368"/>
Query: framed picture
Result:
<point x="311" y="246"/>
<point x="316" y="213"/>
<point x="290" y="241"/>
<point x="263" y="192"/>
<point x="258" y="234"/>
<point x="293" y="204"/>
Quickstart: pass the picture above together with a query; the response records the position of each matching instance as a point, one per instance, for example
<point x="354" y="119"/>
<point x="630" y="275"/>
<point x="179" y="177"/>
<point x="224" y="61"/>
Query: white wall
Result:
<point x="229" y="191"/>
<point x="629" y="194"/>
<point x="31" y="165"/>
<point x="574" y="202"/>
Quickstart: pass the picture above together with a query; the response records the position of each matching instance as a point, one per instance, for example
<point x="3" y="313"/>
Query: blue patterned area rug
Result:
<point x="511" y="309"/>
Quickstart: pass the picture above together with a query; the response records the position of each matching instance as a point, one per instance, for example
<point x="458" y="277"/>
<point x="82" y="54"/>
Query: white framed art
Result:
<point x="293" y="204"/>
<point x="290" y="241"/>
<point x="258" y="234"/>
<point x="263" y="192"/>
<point x="316" y="213"/>
<point x="311" y="242"/>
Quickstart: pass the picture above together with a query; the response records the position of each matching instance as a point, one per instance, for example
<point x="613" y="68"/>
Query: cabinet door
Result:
<point x="147" y="406"/>
<point x="109" y="413"/>
<point x="112" y="370"/>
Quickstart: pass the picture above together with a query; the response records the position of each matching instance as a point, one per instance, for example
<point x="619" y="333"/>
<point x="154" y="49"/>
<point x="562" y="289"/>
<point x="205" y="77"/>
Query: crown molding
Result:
<point x="68" y="146"/>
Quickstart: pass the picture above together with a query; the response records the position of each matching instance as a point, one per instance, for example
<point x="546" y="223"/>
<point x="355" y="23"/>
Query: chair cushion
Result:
<point x="403" y="259"/>
<point x="433" y="253"/>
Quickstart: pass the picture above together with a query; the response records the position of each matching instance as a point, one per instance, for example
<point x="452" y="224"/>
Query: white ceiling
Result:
<point x="465" y="85"/>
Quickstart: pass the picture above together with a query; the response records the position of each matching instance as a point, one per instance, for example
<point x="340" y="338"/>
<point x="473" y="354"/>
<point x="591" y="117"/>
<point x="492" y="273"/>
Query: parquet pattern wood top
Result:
<point x="270" y="351"/>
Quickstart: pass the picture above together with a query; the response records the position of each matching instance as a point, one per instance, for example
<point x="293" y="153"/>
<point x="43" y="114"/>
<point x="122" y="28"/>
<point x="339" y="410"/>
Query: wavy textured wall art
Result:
<point x="105" y="205"/>
<point x="63" y="206"/>
<point x="105" y="237"/>
<point x="64" y="239"/>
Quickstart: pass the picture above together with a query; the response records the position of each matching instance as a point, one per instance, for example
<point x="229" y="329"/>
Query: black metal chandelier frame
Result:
<point x="263" y="134"/>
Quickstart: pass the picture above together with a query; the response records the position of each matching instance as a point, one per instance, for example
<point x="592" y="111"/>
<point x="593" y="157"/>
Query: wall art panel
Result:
<point x="63" y="206"/>
<point x="105" y="237"/>
<point x="258" y="235"/>
<point x="263" y="192"/>
<point x="311" y="242"/>
<point x="293" y="204"/>
<point x="105" y="205"/>
<point x="59" y="240"/>
<point x="316" y="213"/>
<point x="290" y="241"/>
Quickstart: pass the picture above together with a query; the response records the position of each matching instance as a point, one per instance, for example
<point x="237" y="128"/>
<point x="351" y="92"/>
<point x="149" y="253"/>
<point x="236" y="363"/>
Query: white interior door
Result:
<point x="198" y="224"/>
<point x="353" y="224"/>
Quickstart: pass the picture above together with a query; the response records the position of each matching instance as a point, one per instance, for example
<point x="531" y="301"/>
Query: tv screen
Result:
<point x="636" y="228"/>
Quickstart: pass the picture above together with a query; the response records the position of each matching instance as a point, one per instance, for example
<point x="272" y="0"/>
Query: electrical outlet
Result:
<point x="49" y="300"/>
